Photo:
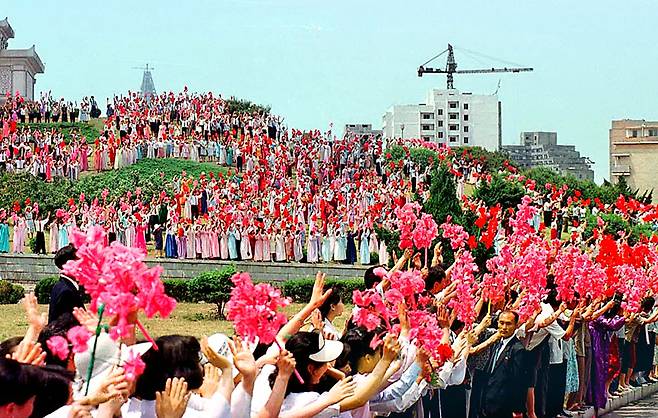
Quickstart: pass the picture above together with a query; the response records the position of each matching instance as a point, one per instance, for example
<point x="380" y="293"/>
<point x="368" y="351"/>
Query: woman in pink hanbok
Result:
<point x="258" y="248"/>
<point x="53" y="230"/>
<point x="223" y="244"/>
<point x="214" y="244"/>
<point x="19" y="235"/>
<point x="205" y="244"/>
<point x="198" y="241"/>
<point x="140" y="237"/>
<point x="191" y="241"/>
<point x="266" y="247"/>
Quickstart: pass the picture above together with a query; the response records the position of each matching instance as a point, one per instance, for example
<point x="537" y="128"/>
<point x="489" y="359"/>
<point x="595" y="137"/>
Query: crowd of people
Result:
<point x="288" y="195"/>
<point x="566" y="355"/>
<point x="44" y="153"/>
<point x="553" y="327"/>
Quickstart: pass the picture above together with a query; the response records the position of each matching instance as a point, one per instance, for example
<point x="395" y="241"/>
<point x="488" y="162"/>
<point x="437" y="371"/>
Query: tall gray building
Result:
<point x="540" y="149"/>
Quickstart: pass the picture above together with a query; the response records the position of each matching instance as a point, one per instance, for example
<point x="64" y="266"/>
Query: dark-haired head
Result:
<point x="370" y="279"/>
<point x="358" y="355"/>
<point x="54" y="390"/>
<point x="435" y="280"/>
<point x="18" y="388"/>
<point x="177" y="356"/>
<point x="59" y="327"/>
<point x="8" y="346"/>
<point x="647" y="304"/>
<point x="332" y="305"/>
<point x="614" y="310"/>
<point x="64" y="255"/>
<point x="301" y="346"/>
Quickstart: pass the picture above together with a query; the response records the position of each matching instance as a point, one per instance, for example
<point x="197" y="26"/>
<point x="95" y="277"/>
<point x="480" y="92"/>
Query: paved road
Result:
<point x="645" y="408"/>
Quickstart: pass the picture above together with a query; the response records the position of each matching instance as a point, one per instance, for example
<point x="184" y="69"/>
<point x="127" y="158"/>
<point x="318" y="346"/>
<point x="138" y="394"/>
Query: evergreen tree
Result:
<point x="443" y="197"/>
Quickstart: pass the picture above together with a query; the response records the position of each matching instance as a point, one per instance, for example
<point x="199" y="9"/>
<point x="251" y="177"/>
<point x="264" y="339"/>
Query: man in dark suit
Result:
<point x="66" y="293"/>
<point x="505" y="393"/>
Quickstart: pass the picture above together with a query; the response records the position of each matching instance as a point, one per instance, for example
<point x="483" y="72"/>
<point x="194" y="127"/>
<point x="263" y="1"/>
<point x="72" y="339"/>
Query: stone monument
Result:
<point x="18" y="67"/>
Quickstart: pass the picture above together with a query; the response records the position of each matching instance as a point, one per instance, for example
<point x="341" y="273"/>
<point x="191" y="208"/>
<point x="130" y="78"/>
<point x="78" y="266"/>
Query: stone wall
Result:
<point x="27" y="270"/>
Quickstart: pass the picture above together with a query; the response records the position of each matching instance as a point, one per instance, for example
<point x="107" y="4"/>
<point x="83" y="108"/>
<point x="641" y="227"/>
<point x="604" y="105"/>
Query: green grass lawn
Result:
<point x="195" y="319"/>
<point x="90" y="130"/>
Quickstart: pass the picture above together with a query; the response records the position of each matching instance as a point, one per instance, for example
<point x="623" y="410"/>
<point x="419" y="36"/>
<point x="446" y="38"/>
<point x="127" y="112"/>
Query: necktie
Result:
<point x="497" y="349"/>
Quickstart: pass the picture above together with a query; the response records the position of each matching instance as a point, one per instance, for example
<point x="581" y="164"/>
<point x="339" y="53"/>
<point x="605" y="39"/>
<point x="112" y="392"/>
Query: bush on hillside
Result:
<point x="43" y="288"/>
<point x="146" y="174"/>
<point x="212" y="287"/>
<point x="10" y="293"/>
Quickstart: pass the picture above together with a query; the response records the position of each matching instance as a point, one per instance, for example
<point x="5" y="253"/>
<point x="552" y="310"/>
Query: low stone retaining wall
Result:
<point x="633" y="395"/>
<point x="28" y="269"/>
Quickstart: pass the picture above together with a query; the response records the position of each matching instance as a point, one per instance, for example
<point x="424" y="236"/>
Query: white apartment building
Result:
<point x="448" y="117"/>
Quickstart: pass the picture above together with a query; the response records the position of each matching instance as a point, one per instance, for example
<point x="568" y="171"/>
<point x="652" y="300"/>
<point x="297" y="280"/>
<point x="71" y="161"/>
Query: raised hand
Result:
<point x="86" y="318"/>
<point x="210" y="381"/>
<point x="316" y="319"/>
<point x="391" y="348"/>
<point x="243" y="359"/>
<point x="214" y="358"/>
<point x="341" y="390"/>
<point x="29" y="352"/>
<point x="285" y="364"/>
<point x="318" y="296"/>
<point x="34" y="318"/>
<point x="172" y="402"/>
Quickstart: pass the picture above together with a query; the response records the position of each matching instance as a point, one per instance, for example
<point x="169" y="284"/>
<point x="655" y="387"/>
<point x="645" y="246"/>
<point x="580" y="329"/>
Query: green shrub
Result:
<point x="299" y="290"/>
<point x="43" y="288"/>
<point x="32" y="244"/>
<point x="374" y="258"/>
<point x="177" y="289"/>
<point x="212" y="287"/>
<point x="10" y="293"/>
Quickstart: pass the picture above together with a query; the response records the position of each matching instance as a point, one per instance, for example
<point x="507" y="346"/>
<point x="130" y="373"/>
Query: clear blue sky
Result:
<point x="342" y="61"/>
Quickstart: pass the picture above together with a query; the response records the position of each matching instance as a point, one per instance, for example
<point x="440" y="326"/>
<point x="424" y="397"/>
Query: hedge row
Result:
<point x="215" y="287"/>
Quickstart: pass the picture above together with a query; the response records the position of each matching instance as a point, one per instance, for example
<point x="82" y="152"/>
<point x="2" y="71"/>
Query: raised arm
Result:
<point x="369" y="386"/>
<point x="318" y="296"/>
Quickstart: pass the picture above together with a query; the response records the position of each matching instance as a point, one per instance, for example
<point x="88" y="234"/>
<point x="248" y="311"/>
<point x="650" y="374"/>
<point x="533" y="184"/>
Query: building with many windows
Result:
<point x="540" y="149"/>
<point x="634" y="154"/>
<point x="362" y="130"/>
<point x="448" y="117"/>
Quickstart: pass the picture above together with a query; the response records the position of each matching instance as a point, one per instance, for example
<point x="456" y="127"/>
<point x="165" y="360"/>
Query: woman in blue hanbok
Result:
<point x="340" y="253"/>
<point x="232" y="245"/>
<point x="4" y="237"/>
<point x="171" y="247"/>
<point x="351" y="247"/>
<point x="63" y="239"/>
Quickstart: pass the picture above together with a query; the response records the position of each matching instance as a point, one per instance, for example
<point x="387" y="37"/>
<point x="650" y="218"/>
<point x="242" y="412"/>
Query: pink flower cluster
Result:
<point x="455" y="233"/>
<point x="254" y="309"/>
<point x="133" y="366"/>
<point x="59" y="346"/>
<point x="375" y="311"/>
<point x="465" y="299"/>
<point x="575" y="271"/>
<point x="117" y="277"/>
<point x="79" y="337"/>
<point x="495" y="283"/>
<point x="406" y="219"/>
<point x="425" y="232"/>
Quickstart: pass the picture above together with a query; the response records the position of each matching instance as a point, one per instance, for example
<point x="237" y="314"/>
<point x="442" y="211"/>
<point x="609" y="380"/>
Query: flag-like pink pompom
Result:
<point x="59" y="346"/>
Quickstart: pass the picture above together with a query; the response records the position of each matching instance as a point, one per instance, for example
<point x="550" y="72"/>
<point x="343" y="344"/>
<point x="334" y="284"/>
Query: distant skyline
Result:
<point x="348" y="61"/>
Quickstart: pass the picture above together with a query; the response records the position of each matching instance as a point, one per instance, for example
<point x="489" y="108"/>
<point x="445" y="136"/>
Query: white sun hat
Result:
<point x="329" y="350"/>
